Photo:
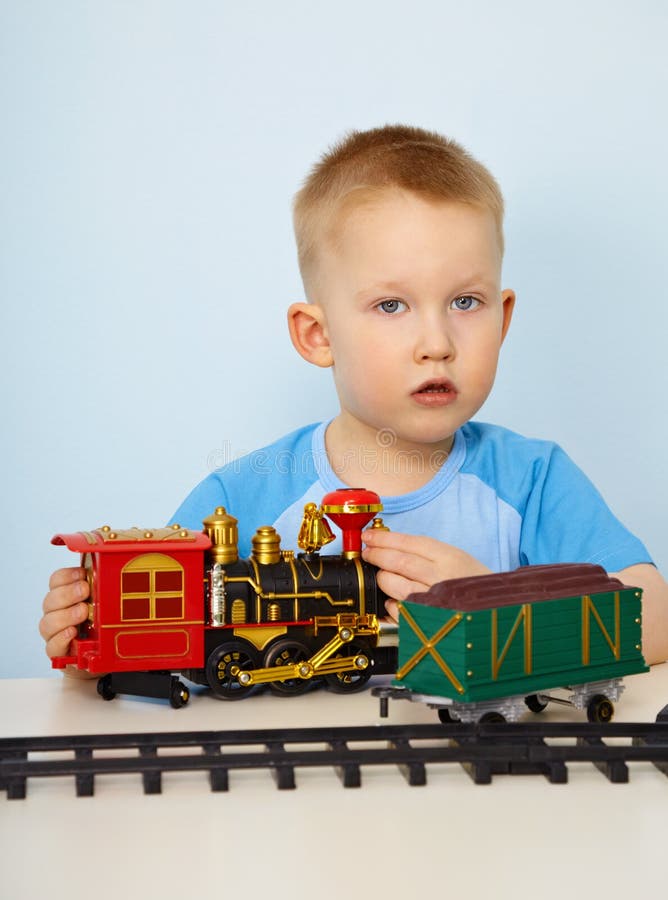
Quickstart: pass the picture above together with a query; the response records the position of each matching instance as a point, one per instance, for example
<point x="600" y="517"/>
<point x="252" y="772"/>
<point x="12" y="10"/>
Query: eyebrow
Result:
<point x="391" y="287"/>
<point x="397" y="287"/>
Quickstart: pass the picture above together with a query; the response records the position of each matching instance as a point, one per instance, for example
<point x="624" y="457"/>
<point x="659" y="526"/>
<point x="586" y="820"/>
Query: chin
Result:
<point x="427" y="438"/>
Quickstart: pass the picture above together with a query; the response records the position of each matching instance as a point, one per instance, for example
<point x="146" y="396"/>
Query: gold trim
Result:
<point x="310" y="571"/>
<point x="429" y="647"/>
<point x="367" y="624"/>
<point x="259" y="637"/>
<point x="141" y="534"/>
<point x="349" y="627"/>
<point x="360" y="584"/>
<point x="258" y="589"/>
<point x="238" y="611"/>
<point x="152" y="564"/>
<point x="354" y="508"/>
<point x="298" y="595"/>
<point x="88" y="565"/>
<point x="295" y="585"/>
<point x="266" y="546"/>
<point x="314" y="531"/>
<point x="153" y="623"/>
<point x="152" y="655"/>
<point x="525" y="617"/>
<point x="589" y="609"/>
<point x="155" y="562"/>
<point x="223" y="533"/>
<point x="295" y="577"/>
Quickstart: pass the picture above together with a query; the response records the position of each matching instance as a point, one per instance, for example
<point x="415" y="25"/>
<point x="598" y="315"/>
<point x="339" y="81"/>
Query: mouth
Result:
<point x="436" y="386"/>
<point x="435" y="392"/>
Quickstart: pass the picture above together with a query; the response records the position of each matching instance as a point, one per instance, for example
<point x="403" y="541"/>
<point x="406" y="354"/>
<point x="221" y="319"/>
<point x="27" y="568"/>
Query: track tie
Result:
<point x="219" y="776"/>
<point x="414" y="771"/>
<point x="152" y="778"/>
<point x="615" y="770"/>
<point x="283" y="772"/>
<point x="15" y="785"/>
<point x="541" y="761"/>
<point x="85" y="782"/>
<point x="480" y="771"/>
<point x="349" y="772"/>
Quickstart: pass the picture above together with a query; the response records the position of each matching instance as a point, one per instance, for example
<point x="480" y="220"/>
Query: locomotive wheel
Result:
<point x="600" y="709"/>
<point x="445" y="716"/>
<point x="104" y="688"/>
<point x="218" y="669"/>
<point x="535" y="704"/>
<point x="349" y="682"/>
<point x="179" y="695"/>
<point x="285" y="653"/>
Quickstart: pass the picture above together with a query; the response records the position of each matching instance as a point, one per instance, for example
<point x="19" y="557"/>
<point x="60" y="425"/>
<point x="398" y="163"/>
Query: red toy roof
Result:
<point x="106" y="540"/>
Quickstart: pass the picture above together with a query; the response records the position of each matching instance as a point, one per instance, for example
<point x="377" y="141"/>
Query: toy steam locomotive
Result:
<point x="174" y="600"/>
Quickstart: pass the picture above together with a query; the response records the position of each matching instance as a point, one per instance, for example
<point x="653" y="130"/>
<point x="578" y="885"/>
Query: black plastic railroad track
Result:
<point x="484" y="749"/>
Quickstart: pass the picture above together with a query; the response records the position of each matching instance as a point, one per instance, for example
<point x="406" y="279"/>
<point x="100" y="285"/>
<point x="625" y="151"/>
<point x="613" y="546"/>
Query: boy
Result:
<point x="400" y="240"/>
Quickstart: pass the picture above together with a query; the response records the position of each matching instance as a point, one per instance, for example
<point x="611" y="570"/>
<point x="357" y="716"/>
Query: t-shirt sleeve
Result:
<point x="567" y="520"/>
<point x="201" y="503"/>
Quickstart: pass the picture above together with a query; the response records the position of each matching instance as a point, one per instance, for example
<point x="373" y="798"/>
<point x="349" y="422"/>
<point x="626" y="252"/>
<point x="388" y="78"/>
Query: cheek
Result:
<point x="366" y="378"/>
<point x="487" y="363"/>
<point x="481" y="356"/>
<point x="356" y="347"/>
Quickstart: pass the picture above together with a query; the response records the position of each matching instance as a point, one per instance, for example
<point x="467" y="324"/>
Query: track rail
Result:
<point x="484" y="749"/>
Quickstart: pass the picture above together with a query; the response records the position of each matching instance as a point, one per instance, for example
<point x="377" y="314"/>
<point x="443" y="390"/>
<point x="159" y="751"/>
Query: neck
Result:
<point x="362" y="456"/>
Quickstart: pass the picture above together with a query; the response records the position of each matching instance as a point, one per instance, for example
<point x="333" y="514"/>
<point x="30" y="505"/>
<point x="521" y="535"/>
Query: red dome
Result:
<point x="351" y="500"/>
<point x="351" y="509"/>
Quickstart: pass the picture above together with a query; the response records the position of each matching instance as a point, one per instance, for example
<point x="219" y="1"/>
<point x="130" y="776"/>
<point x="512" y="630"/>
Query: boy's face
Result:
<point x="413" y="314"/>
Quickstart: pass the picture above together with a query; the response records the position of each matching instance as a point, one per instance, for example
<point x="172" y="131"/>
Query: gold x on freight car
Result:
<point x="533" y="629"/>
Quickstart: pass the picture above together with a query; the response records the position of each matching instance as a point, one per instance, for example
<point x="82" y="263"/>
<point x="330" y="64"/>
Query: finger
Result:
<point x="60" y="643"/>
<point x="415" y="568"/>
<point x="392" y="609"/>
<point x="398" y="587"/>
<point x="53" y="623"/>
<point x="65" y="595"/>
<point x="417" y="544"/>
<point x="66" y="576"/>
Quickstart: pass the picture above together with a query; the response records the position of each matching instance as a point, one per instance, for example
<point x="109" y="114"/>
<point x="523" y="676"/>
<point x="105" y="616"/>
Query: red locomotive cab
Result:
<point x="146" y="605"/>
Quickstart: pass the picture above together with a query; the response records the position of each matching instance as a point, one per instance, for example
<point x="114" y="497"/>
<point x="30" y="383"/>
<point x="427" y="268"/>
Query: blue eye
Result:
<point x="464" y="304"/>
<point x="391" y="306"/>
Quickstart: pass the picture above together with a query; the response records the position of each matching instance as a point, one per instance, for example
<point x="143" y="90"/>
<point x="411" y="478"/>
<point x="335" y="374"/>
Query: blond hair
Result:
<point x="400" y="156"/>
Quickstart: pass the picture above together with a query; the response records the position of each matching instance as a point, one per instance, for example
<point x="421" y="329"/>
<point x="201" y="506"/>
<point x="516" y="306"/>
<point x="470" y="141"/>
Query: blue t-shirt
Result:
<point x="505" y="499"/>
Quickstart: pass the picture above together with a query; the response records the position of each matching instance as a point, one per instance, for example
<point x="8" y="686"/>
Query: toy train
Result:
<point x="174" y="600"/>
<point x="485" y="648"/>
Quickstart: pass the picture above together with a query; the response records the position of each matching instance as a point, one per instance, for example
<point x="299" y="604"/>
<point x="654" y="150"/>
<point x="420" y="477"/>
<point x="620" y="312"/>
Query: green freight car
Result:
<point x="484" y="648"/>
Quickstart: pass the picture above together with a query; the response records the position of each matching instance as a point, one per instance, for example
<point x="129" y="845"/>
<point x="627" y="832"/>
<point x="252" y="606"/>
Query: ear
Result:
<point x="508" y="301"/>
<point x="308" y="332"/>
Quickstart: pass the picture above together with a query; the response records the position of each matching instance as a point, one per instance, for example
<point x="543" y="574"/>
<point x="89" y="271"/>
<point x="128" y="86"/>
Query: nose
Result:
<point x="433" y="342"/>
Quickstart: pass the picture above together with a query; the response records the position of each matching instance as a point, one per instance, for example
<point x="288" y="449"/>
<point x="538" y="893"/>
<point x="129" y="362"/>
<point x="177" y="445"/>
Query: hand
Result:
<point x="413" y="563"/>
<point x="63" y="609"/>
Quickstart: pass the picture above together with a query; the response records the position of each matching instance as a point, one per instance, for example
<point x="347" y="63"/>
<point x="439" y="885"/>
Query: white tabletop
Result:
<point x="519" y="836"/>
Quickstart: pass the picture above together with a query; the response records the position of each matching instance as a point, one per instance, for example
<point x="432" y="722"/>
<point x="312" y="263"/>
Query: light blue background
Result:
<point x="148" y="158"/>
